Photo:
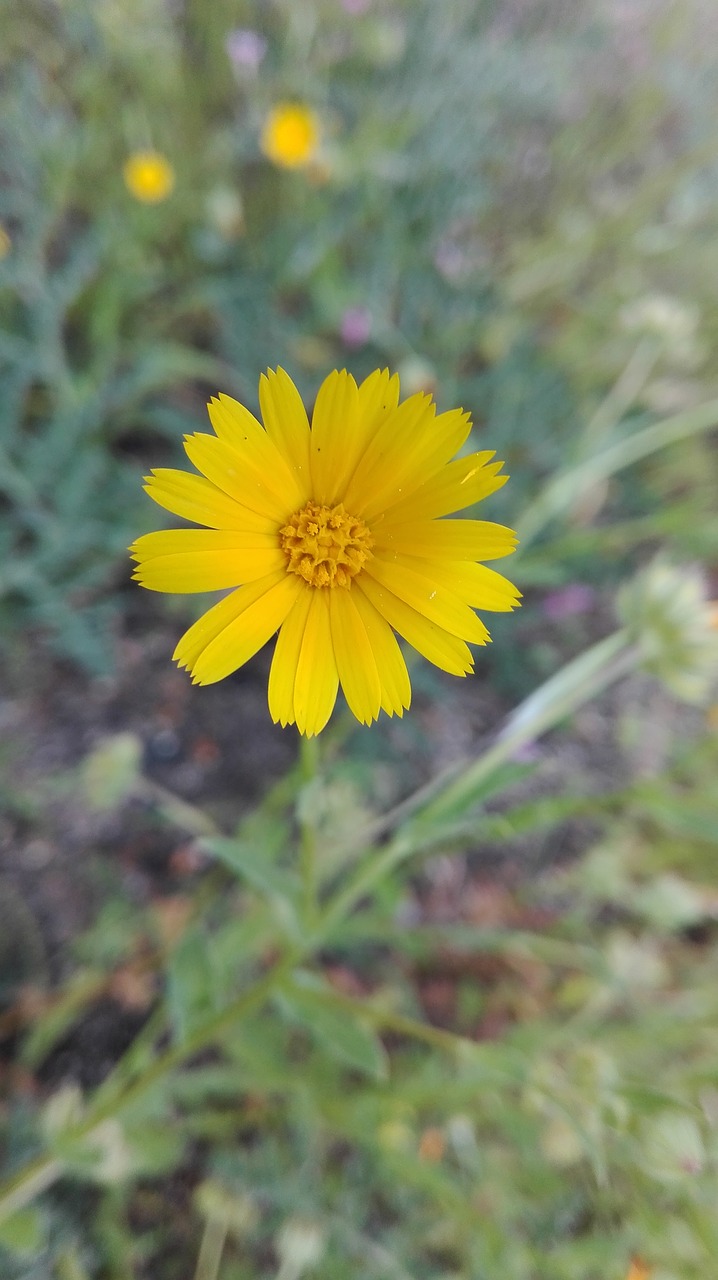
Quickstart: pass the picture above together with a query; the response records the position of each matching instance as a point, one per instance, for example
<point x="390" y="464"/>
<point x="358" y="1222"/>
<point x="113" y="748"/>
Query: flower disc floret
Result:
<point x="325" y="545"/>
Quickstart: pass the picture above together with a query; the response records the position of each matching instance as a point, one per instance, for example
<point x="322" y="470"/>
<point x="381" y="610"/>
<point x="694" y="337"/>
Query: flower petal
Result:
<point x="394" y="677"/>
<point x="315" y="688"/>
<point x="377" y="398"/>
<point x="239" y="476"/>
<point x="283" y="672"/>
<point x="455" y="539"/>
<point x="239" y="428"/>
<point x="196" y="498"/>
<point x="424" y="592"/>
<point x="384" y="452"/>
<point x="355" y="659"/>
<point x="204" y="559"/>
<point x="214" y="621"/>
<point x="335" y="427"/>
<point x="232" y="421"/>
<point x="475" y="584"/>
<point x="248" y="632"/>
<point x="287" y="424"/>
<point x="459" y="484"/>
<point x="406" y="452"/>
<point x="436" y="644"/>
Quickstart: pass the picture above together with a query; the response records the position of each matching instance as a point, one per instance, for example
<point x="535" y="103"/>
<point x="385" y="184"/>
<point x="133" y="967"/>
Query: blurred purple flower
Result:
<point x="245" y="48"/>
<point x="568" y="601"/>
<point x="355" y="326"/>
<point x="355" y="6"/>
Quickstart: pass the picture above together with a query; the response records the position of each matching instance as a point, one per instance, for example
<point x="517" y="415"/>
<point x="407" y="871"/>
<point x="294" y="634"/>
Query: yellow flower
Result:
<point x="5" y="243"/>
<point x="331" y="534"/>
<point x="290" y="135"/>
<point x="149" y="176"/>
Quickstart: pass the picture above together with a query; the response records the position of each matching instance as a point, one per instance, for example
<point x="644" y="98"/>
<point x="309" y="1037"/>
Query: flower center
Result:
<point x="325" y="545"/>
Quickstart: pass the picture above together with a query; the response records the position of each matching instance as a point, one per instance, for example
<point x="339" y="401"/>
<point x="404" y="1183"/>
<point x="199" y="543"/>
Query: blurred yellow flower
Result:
<point x="149" y="176"/>
<point x="290" y="135"/>
<point x="5" y="243"/>
<point x="331" y="534"/>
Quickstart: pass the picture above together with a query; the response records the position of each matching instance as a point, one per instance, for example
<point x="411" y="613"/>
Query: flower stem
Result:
<point x="211" y="1250"/>
<point x="588" y="674"/>
<point x="568" y="486"/>
<point x="306" y="819"/>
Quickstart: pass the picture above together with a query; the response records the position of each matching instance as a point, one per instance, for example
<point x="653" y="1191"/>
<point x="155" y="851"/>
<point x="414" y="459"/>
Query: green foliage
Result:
<point x="334" y="1075"/>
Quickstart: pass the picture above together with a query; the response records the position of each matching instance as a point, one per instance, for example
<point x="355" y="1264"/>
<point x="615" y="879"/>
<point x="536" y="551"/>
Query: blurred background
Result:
<point x="514" y="204"/>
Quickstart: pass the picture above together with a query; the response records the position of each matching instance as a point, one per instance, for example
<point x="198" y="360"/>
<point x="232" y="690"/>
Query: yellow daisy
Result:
<point x="290" y="135"/>
<point x="148" y="176"/>
<point x="332" y="534"/>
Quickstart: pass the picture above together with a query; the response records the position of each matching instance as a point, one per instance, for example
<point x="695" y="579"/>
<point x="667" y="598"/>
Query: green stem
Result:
<point x="45" y="1170"/>
<point x="306" y="819"/>
<point x="562" y="493"/>
<point x="211" y="1249"/>
<point x="575" y="684"/>
<point x="593" y="671"/>
<point x="622" y="395"/>
<point x="30" y="1182"/>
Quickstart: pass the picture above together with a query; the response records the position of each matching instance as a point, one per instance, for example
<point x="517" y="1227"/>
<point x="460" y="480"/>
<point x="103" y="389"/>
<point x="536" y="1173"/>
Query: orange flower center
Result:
<point x="325" y="545"/>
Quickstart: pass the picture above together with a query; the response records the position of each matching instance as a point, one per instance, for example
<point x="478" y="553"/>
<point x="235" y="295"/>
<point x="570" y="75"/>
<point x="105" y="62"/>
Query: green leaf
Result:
<point x="155" y="1148"/>
<point x="340" y="1031"/>
<point x="190" y="984"/>
<point x="24" y="1232"/>
<point x="251" y="863"/>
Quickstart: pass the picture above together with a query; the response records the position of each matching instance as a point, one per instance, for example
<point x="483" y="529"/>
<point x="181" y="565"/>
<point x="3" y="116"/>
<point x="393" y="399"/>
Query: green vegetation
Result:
<point x="396" y="1022"/>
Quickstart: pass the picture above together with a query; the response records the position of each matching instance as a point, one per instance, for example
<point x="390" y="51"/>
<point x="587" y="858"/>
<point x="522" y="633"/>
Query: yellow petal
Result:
<point x="285" y="419"/>
<point x="214" y="621"/>
<point x="283" y="672"/>
<point x="377" y="398"/>
<point x="455" y="539"/>
<point x="476" y="584"/>
<point x="436" y="644"/>
<point x="356" y="663"/>
<point x="408" y="453"/>
<point x="240" y="429"/>
<point x="315" y="688"/>
<point x="232" y="421"/>
<point x="394" y="677"/>
<point x="425" y="593"/>
<point x="237" y="476"/>
<point x="248" y="632"/>
<point x="204" y="559"/>
<point x="196" y="498"/>
<point x="457" y="485"/>
<point x="335" y="425"/>
<point x="384" y="454"/>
